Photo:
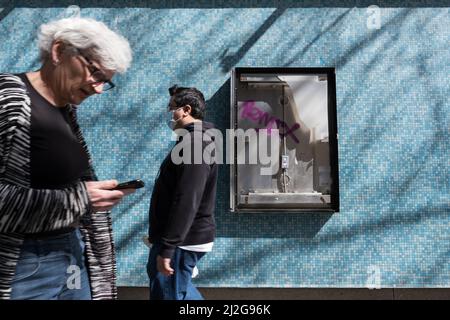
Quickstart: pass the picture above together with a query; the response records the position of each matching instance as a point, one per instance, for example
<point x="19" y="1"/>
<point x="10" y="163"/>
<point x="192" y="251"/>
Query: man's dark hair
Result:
<point x="191" y="96"/>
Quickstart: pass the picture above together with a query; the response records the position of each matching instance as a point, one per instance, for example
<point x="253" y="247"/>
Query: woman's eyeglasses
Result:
<point x="96" y="74"/>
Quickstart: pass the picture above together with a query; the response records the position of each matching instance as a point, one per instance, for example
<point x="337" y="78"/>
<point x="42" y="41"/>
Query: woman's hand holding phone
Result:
<point x="104" y="196"/>
<point x="133" y="184"/>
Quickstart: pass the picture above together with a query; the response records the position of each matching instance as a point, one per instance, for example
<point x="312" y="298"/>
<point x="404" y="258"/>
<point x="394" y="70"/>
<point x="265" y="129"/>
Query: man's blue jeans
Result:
<point x="52" y="269"/>
<point x="179" y="285"/>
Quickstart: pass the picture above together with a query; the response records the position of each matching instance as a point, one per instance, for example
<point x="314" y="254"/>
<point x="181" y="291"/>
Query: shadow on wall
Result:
<point x="242" y="225"/>
<point x="280" y="6"/>
<point x="230" y="60"/>
<point x="6" y="10"/>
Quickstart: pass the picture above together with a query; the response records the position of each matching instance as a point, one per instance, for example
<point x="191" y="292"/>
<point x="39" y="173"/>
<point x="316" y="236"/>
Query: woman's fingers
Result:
<point x="102" y="197"/>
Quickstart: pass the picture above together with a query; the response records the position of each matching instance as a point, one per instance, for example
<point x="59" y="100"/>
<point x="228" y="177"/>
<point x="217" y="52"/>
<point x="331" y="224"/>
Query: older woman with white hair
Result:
<point x="55" y="231"/>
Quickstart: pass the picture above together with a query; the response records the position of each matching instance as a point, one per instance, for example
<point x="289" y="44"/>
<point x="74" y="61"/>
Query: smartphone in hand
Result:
<point x="133" y="184"/>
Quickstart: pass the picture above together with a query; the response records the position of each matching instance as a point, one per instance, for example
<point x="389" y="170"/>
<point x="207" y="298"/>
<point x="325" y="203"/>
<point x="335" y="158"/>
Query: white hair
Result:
<point x="105" y="46"/>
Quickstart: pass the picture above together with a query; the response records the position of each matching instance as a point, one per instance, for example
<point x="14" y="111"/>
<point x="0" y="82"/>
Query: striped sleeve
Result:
<point x="22" y="208"/>
<point x="26" y="210"/>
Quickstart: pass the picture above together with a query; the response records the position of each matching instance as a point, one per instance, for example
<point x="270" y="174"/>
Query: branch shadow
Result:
<point x="6" y="10"/>
<point x="229" y="61"/>
<point x="326" y="30"/>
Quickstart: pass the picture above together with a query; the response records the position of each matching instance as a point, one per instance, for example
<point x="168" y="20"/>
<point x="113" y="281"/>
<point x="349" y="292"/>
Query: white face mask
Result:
<point x="172" y="123"/>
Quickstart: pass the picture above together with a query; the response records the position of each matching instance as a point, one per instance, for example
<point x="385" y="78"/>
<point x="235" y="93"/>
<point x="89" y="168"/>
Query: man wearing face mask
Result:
<point x="182" y="226"/>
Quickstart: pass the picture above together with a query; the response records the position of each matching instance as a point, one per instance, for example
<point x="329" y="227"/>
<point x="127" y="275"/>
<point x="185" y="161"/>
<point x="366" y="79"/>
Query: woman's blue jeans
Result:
<point x="52" y="268"/>
<point x="179" y="285"/>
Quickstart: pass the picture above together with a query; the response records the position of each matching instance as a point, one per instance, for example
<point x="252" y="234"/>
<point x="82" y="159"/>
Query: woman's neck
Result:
<point x="41" y="82"/>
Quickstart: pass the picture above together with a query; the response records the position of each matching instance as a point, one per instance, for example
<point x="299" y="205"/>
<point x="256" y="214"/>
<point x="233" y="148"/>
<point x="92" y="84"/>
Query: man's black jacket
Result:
<point x="183" y="199"/>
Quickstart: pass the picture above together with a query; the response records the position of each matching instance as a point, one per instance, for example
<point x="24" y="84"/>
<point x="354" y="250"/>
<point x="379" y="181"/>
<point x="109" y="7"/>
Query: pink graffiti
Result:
<point x="252" y="112"/>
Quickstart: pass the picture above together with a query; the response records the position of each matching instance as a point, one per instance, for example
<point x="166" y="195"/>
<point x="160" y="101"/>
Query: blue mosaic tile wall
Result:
<point x="393" y="104"/>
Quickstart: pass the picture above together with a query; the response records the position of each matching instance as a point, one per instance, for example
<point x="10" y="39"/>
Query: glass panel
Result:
<point x="296" y="105"/>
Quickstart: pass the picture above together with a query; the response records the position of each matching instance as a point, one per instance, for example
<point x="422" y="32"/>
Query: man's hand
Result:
<point x="163" y="266"/>
<point x="102" y="197"/>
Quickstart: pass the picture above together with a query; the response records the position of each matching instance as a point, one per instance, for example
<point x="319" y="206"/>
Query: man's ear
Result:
<point x="187" y="108"/>
<point x="57" y="51"/>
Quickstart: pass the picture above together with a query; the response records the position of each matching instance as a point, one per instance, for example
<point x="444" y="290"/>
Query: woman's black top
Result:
<point x="57" y="158"/>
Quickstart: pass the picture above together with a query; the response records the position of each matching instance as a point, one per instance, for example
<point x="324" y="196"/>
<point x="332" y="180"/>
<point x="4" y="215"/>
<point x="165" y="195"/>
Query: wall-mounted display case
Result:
<point x="296" y="109"/>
